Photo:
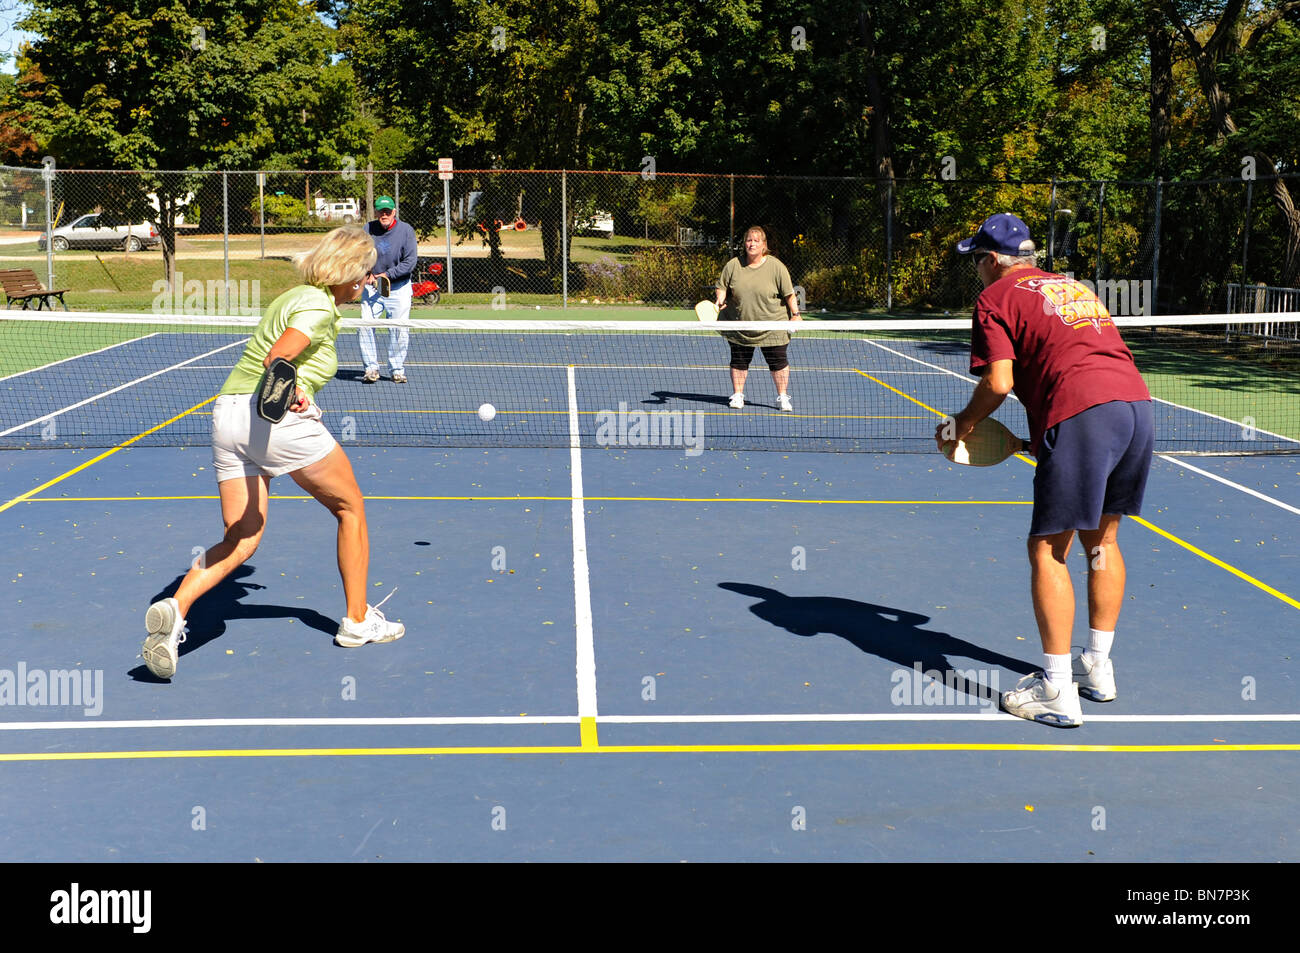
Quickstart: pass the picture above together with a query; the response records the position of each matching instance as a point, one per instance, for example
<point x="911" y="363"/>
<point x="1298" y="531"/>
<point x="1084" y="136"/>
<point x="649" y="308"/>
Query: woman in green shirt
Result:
<point x="757" y="289"/>
<point x="300" y="326"/>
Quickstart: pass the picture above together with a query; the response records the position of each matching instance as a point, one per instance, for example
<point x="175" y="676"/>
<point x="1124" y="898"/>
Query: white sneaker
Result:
<point x="399" y="377"/>
<point x="167" y="631"/>
<point x="737" y="400"/>
<point x="371" y="375"/>
<point x="374" y="628"/>
<point x="1096" y="680"/>
<point x="783" y="403"/>
<point x="1036" y="699"/>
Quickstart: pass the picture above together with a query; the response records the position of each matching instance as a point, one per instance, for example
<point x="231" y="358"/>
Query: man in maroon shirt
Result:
<point x="1091" y="429"/>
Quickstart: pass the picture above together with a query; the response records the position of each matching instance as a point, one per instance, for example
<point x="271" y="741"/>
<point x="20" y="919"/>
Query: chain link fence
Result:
<point x="222" y="241"/>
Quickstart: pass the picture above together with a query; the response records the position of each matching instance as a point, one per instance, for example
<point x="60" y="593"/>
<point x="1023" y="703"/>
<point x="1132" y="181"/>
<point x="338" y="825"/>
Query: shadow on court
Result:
<point x="208" y="617"/>
<point x="892" y="634"/>
<point x="664" y="396"/>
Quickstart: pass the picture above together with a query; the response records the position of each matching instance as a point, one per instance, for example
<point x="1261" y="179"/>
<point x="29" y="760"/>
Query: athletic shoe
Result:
<point x="1096" y="679"/>
<point x="783" y="403"/>
<point x="737" y="400"/>
<point x="399" y="377"/>
<point x="371" y="375"/>
<point x="374" y="628"/>
<point x="167" y="631"/>
<point x="1037" y="699"/>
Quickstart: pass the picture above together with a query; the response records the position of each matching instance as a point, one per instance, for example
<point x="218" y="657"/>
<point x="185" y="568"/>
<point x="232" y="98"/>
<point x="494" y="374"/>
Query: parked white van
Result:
<point x="346" y="211"/>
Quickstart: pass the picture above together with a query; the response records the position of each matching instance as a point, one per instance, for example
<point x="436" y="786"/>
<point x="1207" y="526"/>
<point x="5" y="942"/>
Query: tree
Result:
<point x="1246" y="57"/>
<point x="178" y="85"/>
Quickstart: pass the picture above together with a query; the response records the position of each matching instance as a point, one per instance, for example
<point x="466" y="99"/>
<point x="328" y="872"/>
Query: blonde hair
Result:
<point x="343" y="256"/>
<point x="761" y="233"/>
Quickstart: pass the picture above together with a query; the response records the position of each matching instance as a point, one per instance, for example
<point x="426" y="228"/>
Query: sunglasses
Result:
<point x="978" y="258"/>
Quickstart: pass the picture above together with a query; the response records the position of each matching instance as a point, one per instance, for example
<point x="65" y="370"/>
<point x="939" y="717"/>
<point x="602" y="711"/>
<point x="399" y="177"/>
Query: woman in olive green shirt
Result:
<point x="300" y="326"/>
<point x="757" y="288"/>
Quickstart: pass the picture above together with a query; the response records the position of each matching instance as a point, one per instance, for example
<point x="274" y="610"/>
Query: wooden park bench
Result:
<point x="21" y="284"/>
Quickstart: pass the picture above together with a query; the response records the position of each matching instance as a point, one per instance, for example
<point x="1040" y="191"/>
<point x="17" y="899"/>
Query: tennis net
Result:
<point x="1223" y="383"/>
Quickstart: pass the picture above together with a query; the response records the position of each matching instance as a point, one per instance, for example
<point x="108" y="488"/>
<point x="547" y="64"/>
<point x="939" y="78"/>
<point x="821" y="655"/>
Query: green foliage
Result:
<point x="283" y="210"/>
<point x="654" y="275"/>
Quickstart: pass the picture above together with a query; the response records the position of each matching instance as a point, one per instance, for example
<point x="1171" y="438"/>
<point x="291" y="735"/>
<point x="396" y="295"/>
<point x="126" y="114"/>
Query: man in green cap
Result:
<point x="396" y="259"/>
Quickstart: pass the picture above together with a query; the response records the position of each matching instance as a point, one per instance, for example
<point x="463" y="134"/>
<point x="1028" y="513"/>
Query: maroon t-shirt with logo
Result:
<point x="1068" y="353"/>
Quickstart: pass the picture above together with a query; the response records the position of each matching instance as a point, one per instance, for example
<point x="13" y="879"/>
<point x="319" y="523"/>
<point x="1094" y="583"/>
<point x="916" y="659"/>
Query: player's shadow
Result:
<point x="895" y="635"/>
<point x="664" y="396"/>
<point x="208" y="617"/>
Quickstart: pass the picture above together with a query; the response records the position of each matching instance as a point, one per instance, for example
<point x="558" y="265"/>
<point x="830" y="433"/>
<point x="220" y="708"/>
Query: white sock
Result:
<point x="1099" y="644"/>
<point x="1056" y="669"/>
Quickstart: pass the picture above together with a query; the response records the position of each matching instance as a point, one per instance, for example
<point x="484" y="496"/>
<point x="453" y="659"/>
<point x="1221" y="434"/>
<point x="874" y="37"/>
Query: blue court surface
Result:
<point x="617" y="653"/>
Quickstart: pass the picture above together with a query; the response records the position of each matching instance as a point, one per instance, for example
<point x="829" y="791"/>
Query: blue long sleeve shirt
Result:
<point x="397" y="252"/>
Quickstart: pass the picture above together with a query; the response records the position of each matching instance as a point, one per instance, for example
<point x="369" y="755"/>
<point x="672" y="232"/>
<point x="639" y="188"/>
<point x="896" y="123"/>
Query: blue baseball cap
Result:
<point x="1002" y="233"/>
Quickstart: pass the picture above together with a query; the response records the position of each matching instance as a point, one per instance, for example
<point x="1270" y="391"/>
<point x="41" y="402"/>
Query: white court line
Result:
<point x="878" y="717"/>
<point x="1237" y="424"/>
<point x="1170" y="403"/>
<point x="1236" y="486"/>
<point x="138" y="380"/>
<point x="291" y="722"/>
<point x="586" y="654"/>
<point x="920" y="717"/>
<point x="76" y="357"/>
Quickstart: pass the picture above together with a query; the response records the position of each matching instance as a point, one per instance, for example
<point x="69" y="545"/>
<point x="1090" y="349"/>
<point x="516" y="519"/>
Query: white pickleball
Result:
<point x="487" y="412"/>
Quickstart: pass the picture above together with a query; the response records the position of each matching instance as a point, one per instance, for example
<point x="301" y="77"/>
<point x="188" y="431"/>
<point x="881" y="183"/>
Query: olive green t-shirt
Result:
<point x="306" y="308"/>
<point x="756" y="294"/>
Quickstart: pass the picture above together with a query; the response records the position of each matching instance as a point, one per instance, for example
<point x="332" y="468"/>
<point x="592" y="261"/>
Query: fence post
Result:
<point x="1155" y="249"/>
<point x="48" y="174"/>
<point x="261" y="209"/>
<point x="446" y="225"/>
<point x="225" y="236"/>
<point x="1101" y="215"/>
<point x="1051" y="229"/>
<point x="564" y="235"/>
<point x="889" y="244"/>
<point x="1245" y="244"/>
<point x="731" y="222"/>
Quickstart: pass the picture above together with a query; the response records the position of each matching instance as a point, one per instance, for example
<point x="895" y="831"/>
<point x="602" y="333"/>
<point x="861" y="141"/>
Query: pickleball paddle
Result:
<point x="987" y="445"/>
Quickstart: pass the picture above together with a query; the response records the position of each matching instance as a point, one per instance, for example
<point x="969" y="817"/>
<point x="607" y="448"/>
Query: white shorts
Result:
<point x="243" y="444"/>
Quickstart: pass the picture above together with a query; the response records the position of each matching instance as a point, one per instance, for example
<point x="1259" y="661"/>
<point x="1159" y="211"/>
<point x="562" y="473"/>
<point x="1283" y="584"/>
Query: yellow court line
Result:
<point x="1263" y="586"/>
<point x="655" y="413"/>
<point x="106" y="453"/>
<point x="1214" y="560"/>
<point x="544" y="499"/>
<point x="594" y="748"/>
<point x="900" y="393"/>
<point x="1295" y="604"/>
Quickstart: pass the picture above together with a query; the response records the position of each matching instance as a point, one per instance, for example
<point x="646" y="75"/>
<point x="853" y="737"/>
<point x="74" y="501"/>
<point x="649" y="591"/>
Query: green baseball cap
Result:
<point x="383" y="202"/>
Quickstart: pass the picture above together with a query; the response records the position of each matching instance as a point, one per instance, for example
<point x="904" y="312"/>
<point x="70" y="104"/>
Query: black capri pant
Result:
<point x="743" y="354"/>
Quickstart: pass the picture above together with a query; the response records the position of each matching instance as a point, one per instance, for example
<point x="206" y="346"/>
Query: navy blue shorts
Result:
<point x="1093" y="463"/>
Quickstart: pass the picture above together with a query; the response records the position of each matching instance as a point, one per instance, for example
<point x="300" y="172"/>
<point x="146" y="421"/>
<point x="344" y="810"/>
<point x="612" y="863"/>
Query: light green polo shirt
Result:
<point x="306" y="308"/>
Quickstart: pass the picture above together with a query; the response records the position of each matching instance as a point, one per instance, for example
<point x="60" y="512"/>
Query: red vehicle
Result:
<point x="425" y="290"/>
